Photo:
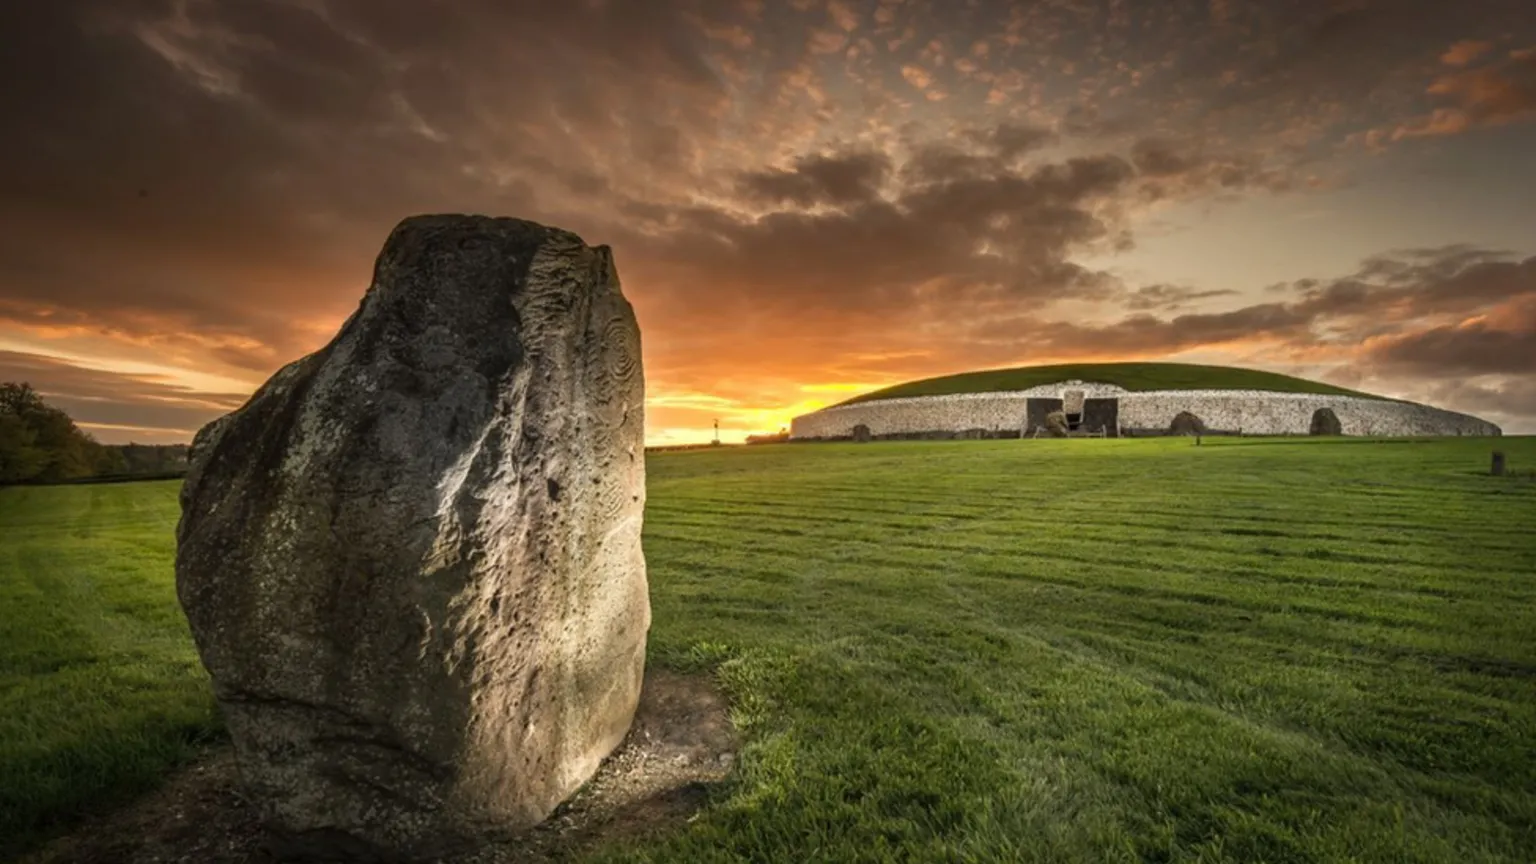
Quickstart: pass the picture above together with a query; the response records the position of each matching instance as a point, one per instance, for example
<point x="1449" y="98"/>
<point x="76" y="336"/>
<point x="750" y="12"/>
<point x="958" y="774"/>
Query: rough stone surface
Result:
<point x="1072" y="401"/>
<point x="1253" y="412"/>
<point x="412" y="560"/>
<point x="1056" y="424"/>
<point x="1185" y="423"/>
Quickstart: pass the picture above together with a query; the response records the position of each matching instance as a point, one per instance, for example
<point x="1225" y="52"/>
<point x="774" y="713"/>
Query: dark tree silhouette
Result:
<point x="40" y="443"/>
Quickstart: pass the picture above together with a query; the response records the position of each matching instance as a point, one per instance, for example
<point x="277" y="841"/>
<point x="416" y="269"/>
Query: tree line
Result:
<point x="40" y="443"/>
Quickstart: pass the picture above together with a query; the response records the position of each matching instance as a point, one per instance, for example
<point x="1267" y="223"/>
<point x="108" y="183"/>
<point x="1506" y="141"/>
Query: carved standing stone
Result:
<point x="1185" y="423"/>
<point x="1056" y="424"/>
<point x="1325" y="422"/>
<point x="411" y="562"/>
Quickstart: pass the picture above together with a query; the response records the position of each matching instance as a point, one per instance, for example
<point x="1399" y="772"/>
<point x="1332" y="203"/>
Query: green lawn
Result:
<point x="1103" y="650"/>
<point x="100" y="687"/>
<point x="1131" y="376"/>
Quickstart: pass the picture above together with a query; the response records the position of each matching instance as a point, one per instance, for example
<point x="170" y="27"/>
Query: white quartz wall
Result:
<point x="1259" y="412"/>
<point x="1253" y="412"/>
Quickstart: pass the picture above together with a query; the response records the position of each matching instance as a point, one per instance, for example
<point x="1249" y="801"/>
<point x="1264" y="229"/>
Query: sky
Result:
<point x="806" y="199"/>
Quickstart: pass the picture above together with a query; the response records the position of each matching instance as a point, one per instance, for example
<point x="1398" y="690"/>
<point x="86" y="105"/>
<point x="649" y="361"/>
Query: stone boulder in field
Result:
<point x="1325" y="422"/>
<point x="1056" y="424"/>
<point x="411" y="562"/>
<point x="1185" y="423"/>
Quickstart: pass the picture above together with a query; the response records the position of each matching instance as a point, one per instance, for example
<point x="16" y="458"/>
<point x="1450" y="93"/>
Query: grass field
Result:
<point x="100" y="687"/>
<point x="1110" y="650"/>
<point x="1131" y="376"/>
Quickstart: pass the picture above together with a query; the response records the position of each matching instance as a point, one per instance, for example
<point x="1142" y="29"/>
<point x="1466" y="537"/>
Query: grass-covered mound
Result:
<point x="1131" y="376"/>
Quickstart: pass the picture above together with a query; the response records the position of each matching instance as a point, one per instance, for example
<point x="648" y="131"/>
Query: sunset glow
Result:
<point x="806" y="199"/>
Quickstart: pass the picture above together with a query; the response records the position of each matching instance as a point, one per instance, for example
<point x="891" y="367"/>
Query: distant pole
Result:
<point x="717" y="432"/>
<point x="1498" y="464"/>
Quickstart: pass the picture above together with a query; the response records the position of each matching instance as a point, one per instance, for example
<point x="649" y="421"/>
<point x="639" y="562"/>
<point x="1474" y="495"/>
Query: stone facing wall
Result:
<point x="1253" y="412"/>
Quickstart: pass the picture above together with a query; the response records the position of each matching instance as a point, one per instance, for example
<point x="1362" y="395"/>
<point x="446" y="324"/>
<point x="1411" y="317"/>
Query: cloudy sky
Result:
<point x="805" y="198"/>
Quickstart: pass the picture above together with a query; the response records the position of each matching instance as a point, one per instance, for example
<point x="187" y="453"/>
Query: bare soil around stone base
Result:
<point x="680" y="746"/>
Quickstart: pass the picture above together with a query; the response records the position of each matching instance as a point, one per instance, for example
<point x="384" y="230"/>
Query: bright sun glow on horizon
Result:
<point x="805" y="200"/>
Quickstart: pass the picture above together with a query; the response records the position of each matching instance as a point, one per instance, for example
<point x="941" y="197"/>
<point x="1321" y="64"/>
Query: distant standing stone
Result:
<point x="861" y="433"/>
<point x="412" y="560"/>
<point x="1498" y="464"/>
<point x="1325" y="422"/>
<point x="1185" y="423"/>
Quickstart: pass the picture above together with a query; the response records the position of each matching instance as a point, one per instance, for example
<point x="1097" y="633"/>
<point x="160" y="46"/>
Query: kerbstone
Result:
<point x="412" y="562"/>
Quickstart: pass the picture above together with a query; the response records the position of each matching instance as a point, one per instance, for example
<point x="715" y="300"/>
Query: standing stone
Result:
<point x="1325" y="422"/>
<point x="1056" y="424"/>
<point x="861" y="434"/>
<point x="1186" y="423"/>
<point x="411" y="562"/>
<point x="1497" y="468"/>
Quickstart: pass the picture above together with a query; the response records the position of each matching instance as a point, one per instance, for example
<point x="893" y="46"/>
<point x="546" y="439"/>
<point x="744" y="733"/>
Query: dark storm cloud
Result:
<point x="1380" y="319"/>
<point x="212" y="178"/>
<point x="1172" y="169"/>
<point x="851" y="178"/>
<point x="213" y="161"/>
<point x="1148" y="334"/>
<point x="1170" y="298"/>
<point x="1471" y="349"/>
<point x="1007" y="141"/>
<point x="1010" y="230"/>
<point x="978" y="152"/>
<point x="1415" y="284"/>
<point x="1513" y="397"/>
<point x="1497" y="93"/>
<point x="1339" y="47"/>
<point x="1284" y="79"/>
<point x="1158" y="157"/>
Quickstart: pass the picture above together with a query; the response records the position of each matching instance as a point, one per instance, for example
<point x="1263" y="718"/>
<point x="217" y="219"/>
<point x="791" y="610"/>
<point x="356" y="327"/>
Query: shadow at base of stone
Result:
<point x="679" y="749"/>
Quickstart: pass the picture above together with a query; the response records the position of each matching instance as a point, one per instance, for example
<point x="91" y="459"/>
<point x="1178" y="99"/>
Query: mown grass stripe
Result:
<point x="970" y="651"/>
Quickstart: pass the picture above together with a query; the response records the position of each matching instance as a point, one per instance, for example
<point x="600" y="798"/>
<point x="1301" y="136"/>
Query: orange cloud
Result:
<point x="1464" y="52"/>
<point x="1496" y="94"/>
<point x="917" y="76"/>
<point x="202" y="190"/>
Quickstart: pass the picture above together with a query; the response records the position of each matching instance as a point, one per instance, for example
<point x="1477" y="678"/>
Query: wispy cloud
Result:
<point x="815" y="193"/>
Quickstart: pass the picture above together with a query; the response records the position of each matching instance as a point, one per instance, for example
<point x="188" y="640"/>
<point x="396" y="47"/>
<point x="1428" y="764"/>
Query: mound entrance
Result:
<point x="1084" y="415"/>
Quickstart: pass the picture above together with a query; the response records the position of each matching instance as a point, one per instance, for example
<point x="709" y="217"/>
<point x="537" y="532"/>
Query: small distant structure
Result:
<point x="776" y="438"/>
<point x="1325" y="422"/>
<point x="716" y="442"/>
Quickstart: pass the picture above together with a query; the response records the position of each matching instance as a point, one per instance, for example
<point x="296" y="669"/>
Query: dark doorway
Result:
<point x="1102" y="415"/>
<point x="1035" y="411"/>
<point x="1325" y="422"/>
